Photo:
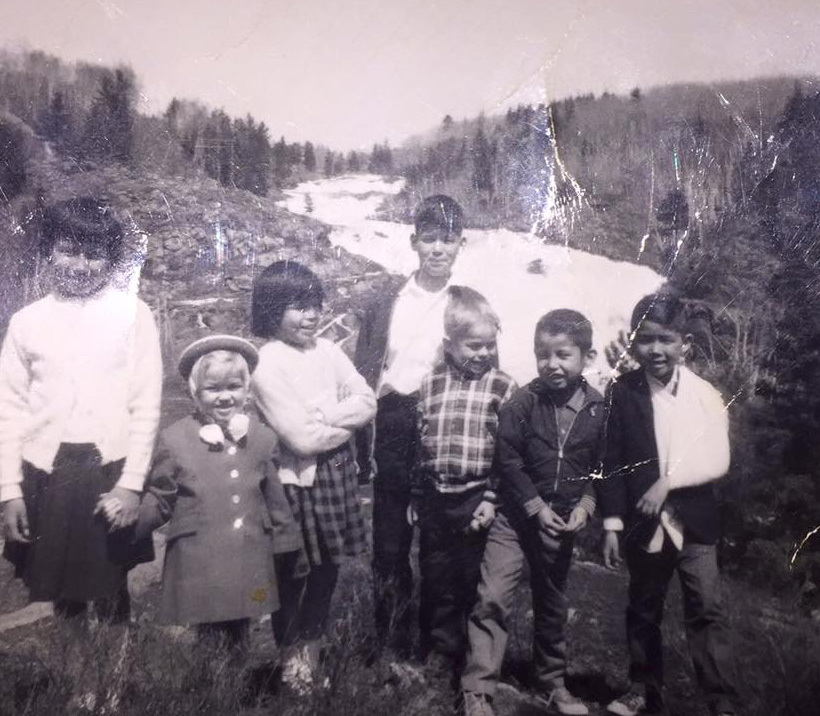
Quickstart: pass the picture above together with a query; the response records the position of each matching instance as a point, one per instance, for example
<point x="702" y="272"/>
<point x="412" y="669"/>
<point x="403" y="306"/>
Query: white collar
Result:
<point x="212" y="434"/>
<point x="671" y="388"/>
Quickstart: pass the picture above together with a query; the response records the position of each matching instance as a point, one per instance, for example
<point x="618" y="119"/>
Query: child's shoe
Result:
<point x="629" y="704"/>
<point x="477" y="704"/>
<point x="638" y="700"/>
<point x="297" y="672"/>
<point x="562" y="701"/>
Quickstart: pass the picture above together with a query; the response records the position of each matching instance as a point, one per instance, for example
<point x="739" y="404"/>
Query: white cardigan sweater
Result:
<point x="79" y="371"/>
<point x="314" y="399"/>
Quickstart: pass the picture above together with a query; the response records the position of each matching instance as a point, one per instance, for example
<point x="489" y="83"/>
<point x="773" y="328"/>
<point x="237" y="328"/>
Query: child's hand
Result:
<point x="618" y="356"/>
<point x="412" y="513"/>
<point x="15" y="521"/>
<point x="612" y="550"/>
<point x="550" y="522"/>
<point x="108" y="507"/>
<point x="577" y="520"/>
<point x="652" y="501"/>
<point x="483" y="516"/>
<point x="301" y="566"/>
<point x="129" y="507"/>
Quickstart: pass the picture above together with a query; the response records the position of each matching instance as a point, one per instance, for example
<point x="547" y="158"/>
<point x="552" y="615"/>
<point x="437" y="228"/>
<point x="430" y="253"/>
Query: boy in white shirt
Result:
<point x="398" y="344"/>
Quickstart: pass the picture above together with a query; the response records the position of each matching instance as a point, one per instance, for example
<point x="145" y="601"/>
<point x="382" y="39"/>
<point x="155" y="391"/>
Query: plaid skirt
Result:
<point x="328" y="512"/>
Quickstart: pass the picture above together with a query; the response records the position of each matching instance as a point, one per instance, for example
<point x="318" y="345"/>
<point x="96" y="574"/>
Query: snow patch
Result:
<point x="497" y="262"/>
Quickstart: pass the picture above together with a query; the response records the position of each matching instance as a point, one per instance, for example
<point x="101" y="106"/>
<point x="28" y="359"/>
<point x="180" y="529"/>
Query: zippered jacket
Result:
<point x="532" y="461"/>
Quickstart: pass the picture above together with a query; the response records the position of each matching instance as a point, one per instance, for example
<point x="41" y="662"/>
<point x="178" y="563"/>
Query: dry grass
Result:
<point x="147" y="669"/>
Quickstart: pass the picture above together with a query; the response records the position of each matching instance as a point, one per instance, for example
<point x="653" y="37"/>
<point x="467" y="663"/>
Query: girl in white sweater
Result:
<point x="311" y="395"/>
<point x="80" y="385"/>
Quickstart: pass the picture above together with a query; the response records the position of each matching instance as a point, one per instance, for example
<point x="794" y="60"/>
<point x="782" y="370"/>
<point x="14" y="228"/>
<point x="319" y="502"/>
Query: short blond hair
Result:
<point x="218" y="356"/>
<point x="467" y="308"/>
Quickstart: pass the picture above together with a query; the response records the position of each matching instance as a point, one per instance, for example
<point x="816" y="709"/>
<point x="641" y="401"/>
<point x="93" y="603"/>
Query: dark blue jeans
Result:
<point x="707" y="628"/>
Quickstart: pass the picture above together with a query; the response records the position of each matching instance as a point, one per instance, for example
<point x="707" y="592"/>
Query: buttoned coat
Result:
<point x="227" y="514"/>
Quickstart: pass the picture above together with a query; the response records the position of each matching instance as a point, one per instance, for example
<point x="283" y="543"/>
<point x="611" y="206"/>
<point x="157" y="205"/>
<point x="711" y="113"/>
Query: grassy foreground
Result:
<point x="149" y="669"/>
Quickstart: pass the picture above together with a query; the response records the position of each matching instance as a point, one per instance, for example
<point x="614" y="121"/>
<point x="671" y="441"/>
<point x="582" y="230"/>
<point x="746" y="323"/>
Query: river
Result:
<point x="496" y="262"/>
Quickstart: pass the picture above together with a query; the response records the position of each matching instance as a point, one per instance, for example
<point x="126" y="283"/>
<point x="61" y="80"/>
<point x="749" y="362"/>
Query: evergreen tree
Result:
<point x="252" y="155"/>
<point x="56" y="122"/>
<point x="310" y="157"/>
<point x="482" y="163"/>
<point x="12" y="161"/>
<point x="281" y="166"/>
<point x="110" y="127"/>
<point x="172" y="116"/>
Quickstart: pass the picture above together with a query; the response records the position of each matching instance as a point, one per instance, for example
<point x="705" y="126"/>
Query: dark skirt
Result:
<point x="328" y="512"/>
<point x="71" y="556"/>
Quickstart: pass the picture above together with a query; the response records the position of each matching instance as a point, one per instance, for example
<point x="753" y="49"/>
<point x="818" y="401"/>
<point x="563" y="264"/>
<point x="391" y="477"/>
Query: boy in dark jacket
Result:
<point x="548" y="447"/>
<point x="667" y="442"/>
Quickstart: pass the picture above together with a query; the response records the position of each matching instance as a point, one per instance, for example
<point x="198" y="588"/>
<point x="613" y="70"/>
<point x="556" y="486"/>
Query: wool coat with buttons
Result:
<point x="228" y="515"/>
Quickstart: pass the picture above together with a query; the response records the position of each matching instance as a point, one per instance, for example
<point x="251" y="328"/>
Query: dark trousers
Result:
<point x="549" y="560"/>
<point x="115" y="609"/>
<point x="450" y="566"/>
<point x="394" y="453"/>
<point x="304" y="601"/>
<point x="707" y="628"/>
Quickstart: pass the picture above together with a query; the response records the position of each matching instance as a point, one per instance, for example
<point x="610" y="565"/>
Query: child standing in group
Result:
<point x="667" y="442"/>
<point x="214" y="477"/>
<point x="454" y="493"/>
<point x="308" y="391"/>
<point x="399" y="342"/>
<point x="548" y="448"/>
<point x="80" y="385"/>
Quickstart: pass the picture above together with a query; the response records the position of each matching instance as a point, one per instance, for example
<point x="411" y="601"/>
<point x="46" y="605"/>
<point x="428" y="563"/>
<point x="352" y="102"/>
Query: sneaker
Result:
<point x="477" y="704"/>
<point x="631" y="703"/>
<point x="297" y="672"/>
<point x="562" y="701"/>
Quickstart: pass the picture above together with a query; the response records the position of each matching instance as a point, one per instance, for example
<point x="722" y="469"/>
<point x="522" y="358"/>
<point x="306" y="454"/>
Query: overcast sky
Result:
<point x="352" y="72"/>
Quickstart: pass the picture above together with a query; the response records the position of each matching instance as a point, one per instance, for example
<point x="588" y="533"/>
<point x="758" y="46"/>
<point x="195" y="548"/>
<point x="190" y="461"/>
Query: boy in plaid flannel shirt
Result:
<point x="453" y="493"/>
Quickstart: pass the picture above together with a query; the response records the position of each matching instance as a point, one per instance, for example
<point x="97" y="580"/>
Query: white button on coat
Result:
<point x="235" y="499"/>
<point x="234" y="474"/>
<point x="232" y="450"/>
<point x="237" y="523"/>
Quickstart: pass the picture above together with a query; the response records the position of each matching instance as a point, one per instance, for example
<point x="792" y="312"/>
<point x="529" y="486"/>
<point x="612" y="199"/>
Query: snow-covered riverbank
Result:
<point x="499" y="263"/>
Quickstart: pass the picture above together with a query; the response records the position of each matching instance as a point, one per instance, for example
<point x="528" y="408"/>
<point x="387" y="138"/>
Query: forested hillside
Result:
<point x="90" y="113"/>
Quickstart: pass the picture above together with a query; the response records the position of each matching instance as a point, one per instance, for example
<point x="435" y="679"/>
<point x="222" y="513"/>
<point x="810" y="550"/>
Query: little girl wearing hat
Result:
<point x="214" y="479"/>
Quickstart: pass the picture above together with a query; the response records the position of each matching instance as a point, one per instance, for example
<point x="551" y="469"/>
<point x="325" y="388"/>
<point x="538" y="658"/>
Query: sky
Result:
<point x="349" y="73"/>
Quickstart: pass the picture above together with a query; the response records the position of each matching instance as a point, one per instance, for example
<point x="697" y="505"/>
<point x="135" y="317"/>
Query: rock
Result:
<point x="30" y="614"/>
<point x="239" y="283"/>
